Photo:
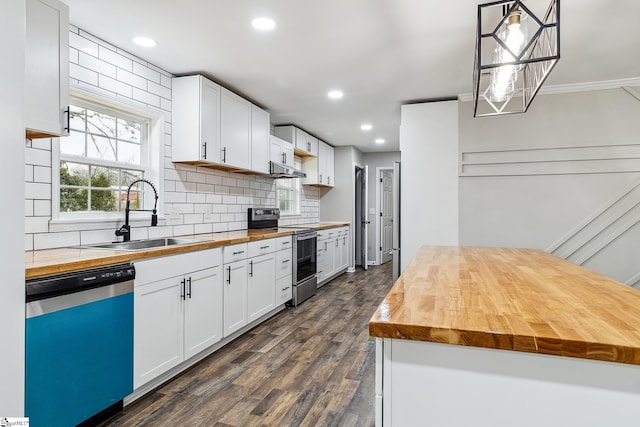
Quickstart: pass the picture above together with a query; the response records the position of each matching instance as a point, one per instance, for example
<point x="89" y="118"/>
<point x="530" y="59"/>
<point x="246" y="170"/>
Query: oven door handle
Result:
<point x="311" y="236"/>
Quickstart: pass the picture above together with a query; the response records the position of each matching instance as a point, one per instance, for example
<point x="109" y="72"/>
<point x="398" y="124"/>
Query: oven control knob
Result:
<point x="259" y="212"/>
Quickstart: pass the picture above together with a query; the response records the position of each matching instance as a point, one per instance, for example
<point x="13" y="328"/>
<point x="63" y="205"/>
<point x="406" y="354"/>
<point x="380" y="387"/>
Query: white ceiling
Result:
<point x="381" y="53"/>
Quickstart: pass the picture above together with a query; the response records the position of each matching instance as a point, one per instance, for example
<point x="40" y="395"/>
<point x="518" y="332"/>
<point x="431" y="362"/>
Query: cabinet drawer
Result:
<point x="284" y="243"/>
<point x="235" y="252"/>
<point x="152" y="270"/>
<point x="284" y="289"/>
<point x="323" y="235"/>
<point x="261" y="247"/>
<point x="283" y="263"/>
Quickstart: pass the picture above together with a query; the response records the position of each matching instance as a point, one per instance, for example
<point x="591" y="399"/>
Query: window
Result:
<point x="107" y="149"/>
<point x="288" y="194"/>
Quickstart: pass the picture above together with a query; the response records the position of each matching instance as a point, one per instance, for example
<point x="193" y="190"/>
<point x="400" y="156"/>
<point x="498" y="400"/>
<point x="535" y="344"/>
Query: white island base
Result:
<point x="422" y="383"/>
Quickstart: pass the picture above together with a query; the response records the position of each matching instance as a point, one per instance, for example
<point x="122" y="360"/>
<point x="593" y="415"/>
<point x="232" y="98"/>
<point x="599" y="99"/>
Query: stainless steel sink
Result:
<point x="139" y="245"/>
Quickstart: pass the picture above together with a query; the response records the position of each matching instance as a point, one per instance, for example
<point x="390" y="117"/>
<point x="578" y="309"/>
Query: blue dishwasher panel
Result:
<point x="79" y="361"/>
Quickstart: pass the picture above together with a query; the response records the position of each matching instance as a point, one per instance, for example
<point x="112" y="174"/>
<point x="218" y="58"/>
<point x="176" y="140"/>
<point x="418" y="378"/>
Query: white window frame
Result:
<point x="297" y="193"/>
<point x="152" y="159"/>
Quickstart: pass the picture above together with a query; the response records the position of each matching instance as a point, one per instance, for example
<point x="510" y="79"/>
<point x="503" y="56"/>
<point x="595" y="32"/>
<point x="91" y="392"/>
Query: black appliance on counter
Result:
<point x="305" y="275"/>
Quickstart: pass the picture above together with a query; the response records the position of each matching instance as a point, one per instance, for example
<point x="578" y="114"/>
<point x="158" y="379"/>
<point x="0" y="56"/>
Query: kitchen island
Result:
<point x="505" y="337"/>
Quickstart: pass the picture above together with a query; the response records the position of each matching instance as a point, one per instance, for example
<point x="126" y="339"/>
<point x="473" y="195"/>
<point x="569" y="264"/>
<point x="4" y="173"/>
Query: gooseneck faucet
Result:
<point x="125" y="230"/>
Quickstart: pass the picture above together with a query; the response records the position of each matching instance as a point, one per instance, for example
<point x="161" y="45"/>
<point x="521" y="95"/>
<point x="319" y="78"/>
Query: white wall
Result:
<point x="429" y="176"/>
<point x="189" y="191"/>
<point x="563" y="177"/>
<point x="373" y="161"/>
<point x="12" y="45"/>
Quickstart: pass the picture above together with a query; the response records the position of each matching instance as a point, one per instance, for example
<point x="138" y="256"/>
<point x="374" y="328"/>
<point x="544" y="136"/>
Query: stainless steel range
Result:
<point x="305" y="278"/>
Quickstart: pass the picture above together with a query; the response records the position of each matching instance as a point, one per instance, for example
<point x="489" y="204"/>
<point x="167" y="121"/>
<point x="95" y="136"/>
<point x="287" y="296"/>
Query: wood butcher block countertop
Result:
<point x="325" y="225"/>
<point x="65" y="260"/>
<point x="511" y="299"/>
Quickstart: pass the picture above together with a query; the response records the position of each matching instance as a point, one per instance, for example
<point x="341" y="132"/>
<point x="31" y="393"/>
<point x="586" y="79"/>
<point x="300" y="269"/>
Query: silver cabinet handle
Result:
<point x="189" y="291"/>
<point x="320" y="178"/>
<point x="229" y="277"/>
<point x="251" y="268"/>
<point x="204" y="150"/>
<point x="286" y="260"/>
<point x="238" y="252"/>
<point x="224" y="155"/>
<point x="328" y="180"/>
<point x="309" y="146"/>
<point x="182" y="289"/>
<point x="265" y="247"/>
<point x="336" y="243"/>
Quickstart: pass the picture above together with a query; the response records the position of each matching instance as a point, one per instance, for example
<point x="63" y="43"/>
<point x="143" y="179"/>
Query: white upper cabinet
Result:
<point x="305" y="144"/>
<point x="281" y="151"/>
<point x="260" y="144"/>
<point x="235" y="130"/>
<point x="196" y="120"/>
<point x="214" y="127"/>
<point x="320" y="170"/>
<point x="46" y="69"/>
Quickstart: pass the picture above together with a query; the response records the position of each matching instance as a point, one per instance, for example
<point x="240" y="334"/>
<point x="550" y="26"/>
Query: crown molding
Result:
<point x="574" y="87"/>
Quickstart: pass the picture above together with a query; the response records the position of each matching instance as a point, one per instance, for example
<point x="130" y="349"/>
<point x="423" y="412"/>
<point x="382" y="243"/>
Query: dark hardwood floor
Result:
<point x="313" y="365"/>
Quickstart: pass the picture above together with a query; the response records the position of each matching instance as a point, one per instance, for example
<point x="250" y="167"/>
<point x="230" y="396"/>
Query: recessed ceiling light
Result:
<point x="144" y="41"/>
<point x="379" y="140"/>
<point x="366" y="126"/>
<point x="335" y="94"/>
<point x="263" y="24"/>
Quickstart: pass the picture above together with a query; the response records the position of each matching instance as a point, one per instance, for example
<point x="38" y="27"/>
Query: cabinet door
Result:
<point x="260" y="147"/>
<point x="276" y="154"/>
<point x="337" y="254"/>
<point x="235" y="130"/>
<point x="287" y="153"/>
<point x="209" y="121"/>
<point x="203" y="310"/>
<point x="329" y="161"/>
<point x="46" y="68"/>
<point x="346" y="248"/>
<point x="322" y="172"/>
<point x="283" y="263"/>
<point x="261" y="289"/>
<point x="235" y="296"/>
<point x="158" y="329"/>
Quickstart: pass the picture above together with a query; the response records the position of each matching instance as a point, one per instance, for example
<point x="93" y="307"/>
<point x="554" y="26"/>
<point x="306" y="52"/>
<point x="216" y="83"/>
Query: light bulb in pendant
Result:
<point x="504" y="78"/>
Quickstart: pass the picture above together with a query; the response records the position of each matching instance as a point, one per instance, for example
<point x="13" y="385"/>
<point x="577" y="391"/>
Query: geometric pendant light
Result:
<point x="515" y="52"/>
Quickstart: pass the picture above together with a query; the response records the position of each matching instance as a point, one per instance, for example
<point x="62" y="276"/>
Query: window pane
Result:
<point x="73" y="200"/>
<point x="128" y="130"/>
<point x="73" y="144"/>
<point x="73" y="174"/>
<point x="101" y="148"/>
<point x="128" y="152"/>
<point x="103" y="200"/>
<point x="101" y="124"/>
<point x="77" y="118"/>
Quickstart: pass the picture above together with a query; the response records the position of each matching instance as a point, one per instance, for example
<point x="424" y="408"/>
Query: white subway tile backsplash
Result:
<point x="113" y="57"/>
<point x="159" y="90"/>
<point x="36" y="224"/>
<point x="146" y="97"/>
<point x="42" y="174"/>
<point x="146" y="72"/>
<point x="42" y="208"/>
<point x="37" y="157"/>
<point x="37" y="190"/>
<point x="83" y="74"/>
<point x="131" y="79"/>
<point x="92" y="63"/>
<point x="165" y="80"/>
<point x="115" y="86"/>
<point x="195" y="199"/>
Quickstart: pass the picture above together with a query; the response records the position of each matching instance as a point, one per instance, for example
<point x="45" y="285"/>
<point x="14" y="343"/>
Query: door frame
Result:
<point x="379" y="170"/>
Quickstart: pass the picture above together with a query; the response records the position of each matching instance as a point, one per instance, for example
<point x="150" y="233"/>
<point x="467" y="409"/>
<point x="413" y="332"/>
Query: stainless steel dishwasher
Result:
<point x="79" y="346"/>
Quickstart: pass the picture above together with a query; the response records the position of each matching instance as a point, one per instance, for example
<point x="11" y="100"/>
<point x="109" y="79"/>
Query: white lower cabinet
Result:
<point x="333" y="252"/>
<point x="235" y="296"/>
<point x="261" y="296"/>
<point x="175" y="317"/>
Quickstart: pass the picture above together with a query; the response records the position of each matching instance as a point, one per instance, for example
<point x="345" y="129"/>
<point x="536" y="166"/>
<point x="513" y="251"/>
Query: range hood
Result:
<point x="278" y="170"/>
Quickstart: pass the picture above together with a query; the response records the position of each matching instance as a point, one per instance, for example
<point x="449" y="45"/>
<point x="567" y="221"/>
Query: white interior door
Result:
<point x="386" y="215"/>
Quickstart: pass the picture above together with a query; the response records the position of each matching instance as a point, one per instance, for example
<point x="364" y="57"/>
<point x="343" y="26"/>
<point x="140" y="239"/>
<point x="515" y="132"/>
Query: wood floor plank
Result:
<point x="312" y="365"/>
